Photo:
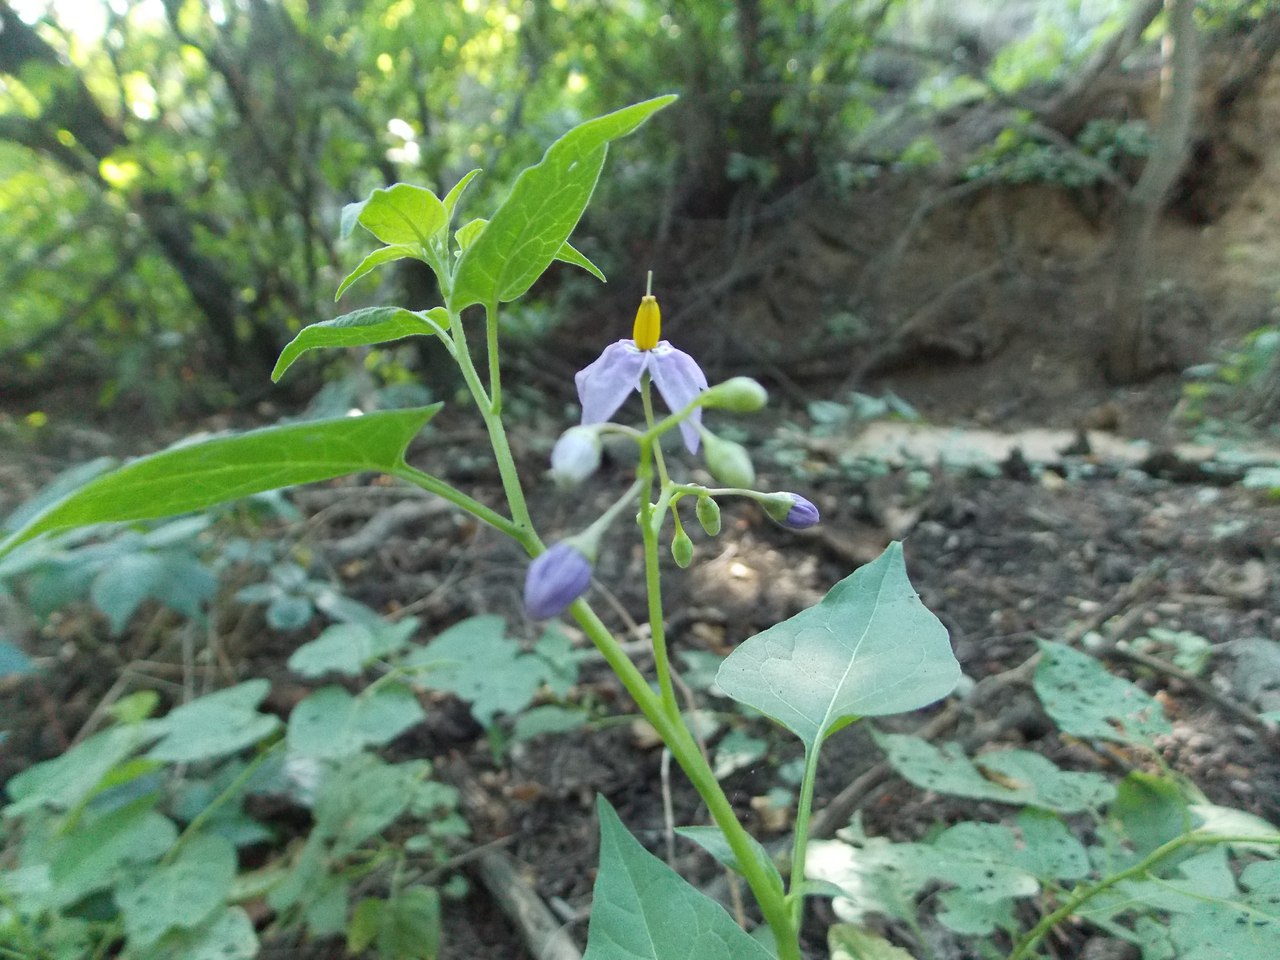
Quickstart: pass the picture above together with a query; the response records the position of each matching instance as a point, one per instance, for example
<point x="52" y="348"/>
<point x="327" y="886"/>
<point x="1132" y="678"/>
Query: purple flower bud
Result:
<point x="791" y="510"/>
<point x="801" y="515"/>
<point x="555" y="579"/>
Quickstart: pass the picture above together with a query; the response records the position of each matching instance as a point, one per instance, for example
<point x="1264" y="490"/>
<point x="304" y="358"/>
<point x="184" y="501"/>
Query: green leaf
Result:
<point x="400" y="214"/>
<point x="1008" y="776"/>
<point x="1220" y="929"/>
<point x="370" y="325"/>
<point x="643" y="910"/>
<point x="737" y="750"/>
<point x="214" y="725"/>
<point x="453" y="196"/>
<point x="548" y="719"/>
<point x="546" y="202"/>
<point x="568" y="254"/>
<point x="349" y="648"/>
<point x="229" y="936"/>
<point x="869" y="648"/>
<point x="399" y="251"/>
<point x="712" y="840"/>
<point x="173" y="577"/>
<point x="476" y="660"/>
<point x="1049" y="850"/>
<point x="182" y="894"/>
<point x="361" y="797"/>
<point x="1151" y="810"/>
<point x="331" y="723"/>
<point x="466" y="234"/>
<point x="67" y="781"/>
<point x="199" y="474"/>
<point x="1086" y="700"/>
<point x="406" y="927"/>
<point x="847" y="942"/>
<point x="89" y="858"/>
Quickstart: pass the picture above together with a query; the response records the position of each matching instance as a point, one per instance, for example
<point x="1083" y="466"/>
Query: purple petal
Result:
<point x="679" y="379"/>
<point x="605" y="383"/>
<point x="802" y="515"/>
<point x="555" y="579"/>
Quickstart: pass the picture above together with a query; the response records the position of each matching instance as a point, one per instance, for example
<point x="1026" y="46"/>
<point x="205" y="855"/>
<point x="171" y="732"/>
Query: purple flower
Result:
<point x="555" y="579"/>
<point x="604" y="384"/>
<point x="791" y="510"/>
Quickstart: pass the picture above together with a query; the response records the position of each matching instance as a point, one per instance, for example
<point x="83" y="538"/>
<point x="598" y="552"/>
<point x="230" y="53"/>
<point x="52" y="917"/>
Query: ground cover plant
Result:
<point x="118" y="845"/>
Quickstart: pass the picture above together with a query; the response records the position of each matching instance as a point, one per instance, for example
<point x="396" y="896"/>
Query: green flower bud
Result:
<point x="728" y="462"/>
<point x="682" y="548"/>
<point x="709" y="515"/>
<point x="737" y="394"/>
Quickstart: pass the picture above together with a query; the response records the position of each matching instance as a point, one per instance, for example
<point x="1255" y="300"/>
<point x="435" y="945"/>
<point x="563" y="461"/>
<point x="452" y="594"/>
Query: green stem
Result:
<point x="646" y="398"/>
<point x="650" y="529"/>
<point x="523" y="523"/>
<point x="1080" y="897"/>
<point x="495" y="370"/>
<point x="657" y="629"/>
<point x="233" y="788"/>
<point x="685" y="750"/>
<point x="455" y="496"/>
<point x="804" y="810"/>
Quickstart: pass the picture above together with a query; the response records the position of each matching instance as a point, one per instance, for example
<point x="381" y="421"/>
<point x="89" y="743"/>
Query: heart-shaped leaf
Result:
<point x="868" y="648"/>
<point x="643" y="910"/>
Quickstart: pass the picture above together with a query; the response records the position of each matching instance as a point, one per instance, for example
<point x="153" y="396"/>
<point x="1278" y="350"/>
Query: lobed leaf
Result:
<point x="331" y="723"/>
<point x="214" y="725"/>
<point x="643" y="910"/>
<point x="181" y="894"/>
<point x="530" y="227"/>
<point x="361" y="328"/>
<point x="199" y="474"/>
<point x="1007" y="776"/>
<point x="1088" y="701"/>
<point x="868" y="648"/>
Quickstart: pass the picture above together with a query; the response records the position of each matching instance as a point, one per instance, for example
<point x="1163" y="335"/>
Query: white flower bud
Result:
<point x="575" y="456"/>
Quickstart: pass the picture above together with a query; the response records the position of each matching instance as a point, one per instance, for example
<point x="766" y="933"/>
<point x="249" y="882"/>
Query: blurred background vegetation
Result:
<point x="172" y="171"/>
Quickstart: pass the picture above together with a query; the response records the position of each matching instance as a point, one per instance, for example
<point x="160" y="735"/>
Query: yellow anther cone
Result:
<point x="648" y="326"/>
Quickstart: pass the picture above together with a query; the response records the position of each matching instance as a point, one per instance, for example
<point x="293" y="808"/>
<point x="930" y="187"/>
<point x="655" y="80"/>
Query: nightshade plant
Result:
<point x="869" y="648"/>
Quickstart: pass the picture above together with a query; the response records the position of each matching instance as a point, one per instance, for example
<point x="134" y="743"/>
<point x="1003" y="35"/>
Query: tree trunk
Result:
<point x="1125" y="308"/>
<point x="72" y="107"/>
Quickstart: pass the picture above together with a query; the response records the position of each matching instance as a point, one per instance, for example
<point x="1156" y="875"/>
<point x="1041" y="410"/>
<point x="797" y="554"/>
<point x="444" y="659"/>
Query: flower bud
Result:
<point x="791" y="510"/>
<point x="709" y="515"/>
<point x="575" y="456"/>
<point x="555" y="579"/>
<point x="737" y="395"/>
<point x="682" y="548"/>
<point x="728" y="462"/>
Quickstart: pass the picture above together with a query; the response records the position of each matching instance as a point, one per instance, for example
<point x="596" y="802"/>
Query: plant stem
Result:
<point x="1080" y="897"/>
<point x="650" y="528"/>
<point x="684" y="748"/>
<point x="455" y="496"/>
<point x="234" y="787"/>
<point x="522" y="529"/>
<point x="495" y="370"/>
<point x="804" y="810"/>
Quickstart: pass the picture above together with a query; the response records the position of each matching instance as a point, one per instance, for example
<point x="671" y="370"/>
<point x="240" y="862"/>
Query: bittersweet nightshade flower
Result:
<point x="555" y="579"/>
<point x="604" y="384"/>
<point x="791" y="510"/>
